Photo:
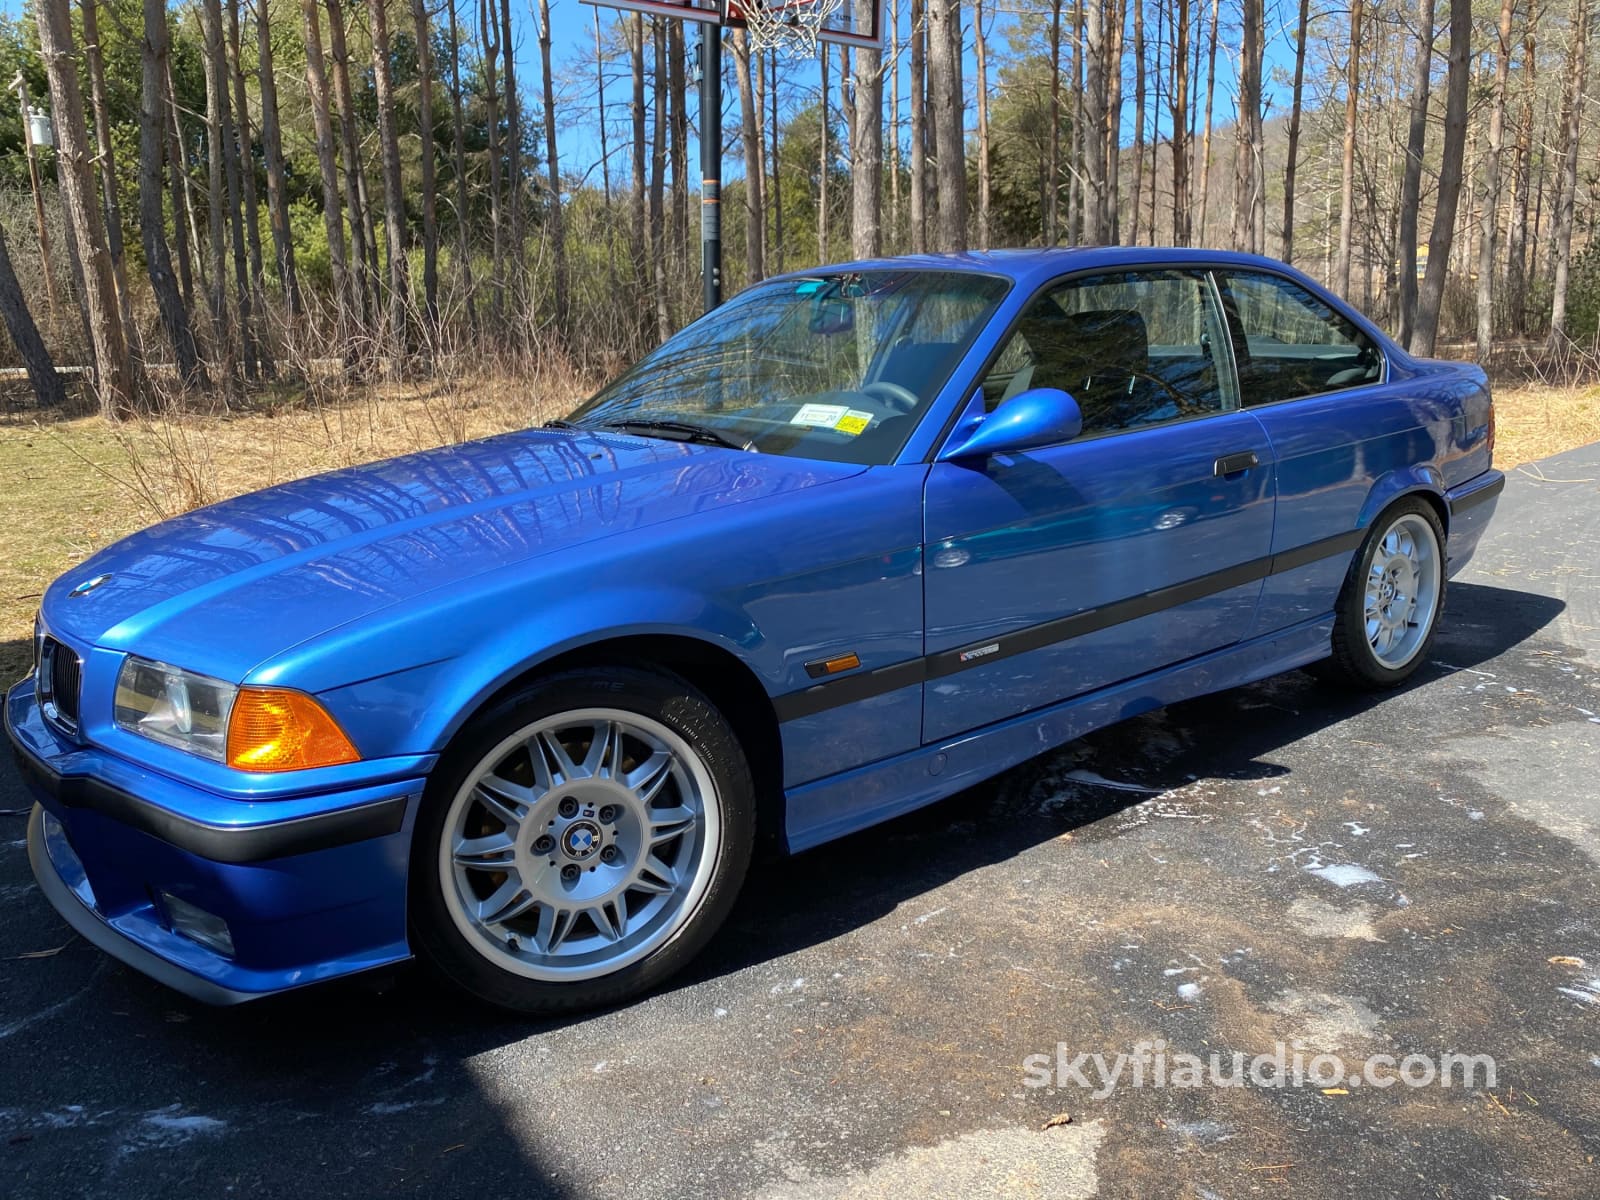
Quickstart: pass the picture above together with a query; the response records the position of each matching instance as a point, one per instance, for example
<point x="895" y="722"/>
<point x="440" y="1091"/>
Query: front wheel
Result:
<point x="581" y="841"/>
<point x="1388" y="609"/>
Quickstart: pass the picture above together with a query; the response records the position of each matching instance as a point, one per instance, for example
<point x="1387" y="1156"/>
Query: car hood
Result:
<point x="223" y="588"/>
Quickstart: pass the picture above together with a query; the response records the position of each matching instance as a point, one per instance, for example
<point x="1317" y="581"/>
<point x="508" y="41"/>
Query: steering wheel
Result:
<point x="903" y="399"/>
<point x="1177" y="397"/>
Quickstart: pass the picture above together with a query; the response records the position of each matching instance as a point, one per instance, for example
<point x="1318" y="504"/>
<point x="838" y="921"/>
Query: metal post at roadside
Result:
<point x="20" y="85"/>
<point x="711" y="164"/>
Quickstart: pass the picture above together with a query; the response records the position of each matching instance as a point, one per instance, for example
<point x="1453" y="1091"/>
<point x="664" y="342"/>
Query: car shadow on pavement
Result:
<point x="1233" y="735"/>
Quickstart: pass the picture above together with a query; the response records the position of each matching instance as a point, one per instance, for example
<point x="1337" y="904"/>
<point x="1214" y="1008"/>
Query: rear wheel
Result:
<point x="581" y="841"/>
<point x="1388" y="609"/>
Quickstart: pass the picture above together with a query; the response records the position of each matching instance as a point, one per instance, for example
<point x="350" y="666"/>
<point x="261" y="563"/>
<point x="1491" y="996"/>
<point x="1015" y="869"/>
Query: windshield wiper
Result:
<point x="559" y="423"/>
<point x="689" y="431"/>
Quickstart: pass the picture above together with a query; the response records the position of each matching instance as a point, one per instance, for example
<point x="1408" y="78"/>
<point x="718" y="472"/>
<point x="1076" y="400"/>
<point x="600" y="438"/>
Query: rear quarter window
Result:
<point x="1288" y="343"/>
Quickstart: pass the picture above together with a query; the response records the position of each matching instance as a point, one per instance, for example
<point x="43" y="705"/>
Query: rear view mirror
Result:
<point x="831" y="315"/>
<point x="1030" y="419"/>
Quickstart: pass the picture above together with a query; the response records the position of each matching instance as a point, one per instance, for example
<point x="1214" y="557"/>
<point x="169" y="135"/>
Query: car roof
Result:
<point x="1028" y="266"/>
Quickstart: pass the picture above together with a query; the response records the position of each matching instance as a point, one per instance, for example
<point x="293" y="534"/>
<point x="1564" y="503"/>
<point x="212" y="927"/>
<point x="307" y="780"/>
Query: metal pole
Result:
<point x="21" y="86"/>
<point x="711" y="164"/>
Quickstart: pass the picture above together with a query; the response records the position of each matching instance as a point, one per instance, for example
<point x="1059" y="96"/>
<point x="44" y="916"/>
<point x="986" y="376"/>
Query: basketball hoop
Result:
<point x="791" y="26"/>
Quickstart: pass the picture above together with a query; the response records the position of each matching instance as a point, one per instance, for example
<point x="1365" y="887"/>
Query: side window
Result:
<point x="1289" y="344"/>
<point x="1132" y="348"/>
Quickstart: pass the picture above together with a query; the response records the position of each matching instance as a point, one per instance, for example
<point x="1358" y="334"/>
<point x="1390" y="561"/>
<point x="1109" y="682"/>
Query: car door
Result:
<point x="1138" y="544"/>
<point x="1318" y="384"/>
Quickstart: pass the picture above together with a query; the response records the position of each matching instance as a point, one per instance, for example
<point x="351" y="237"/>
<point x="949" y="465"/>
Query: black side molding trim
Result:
<point x="850" y="689"/>
<point x="1477" y="496"/>
<point x="219" y="843"/>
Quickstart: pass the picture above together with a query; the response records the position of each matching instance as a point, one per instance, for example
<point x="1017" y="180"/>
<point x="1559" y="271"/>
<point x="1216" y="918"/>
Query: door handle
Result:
<point x="1235" y="464"/>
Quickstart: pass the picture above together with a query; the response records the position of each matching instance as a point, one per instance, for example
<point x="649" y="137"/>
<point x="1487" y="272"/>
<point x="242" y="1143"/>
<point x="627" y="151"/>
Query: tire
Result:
<point x="1388" y="608"/>
<point x="581" y="841"/>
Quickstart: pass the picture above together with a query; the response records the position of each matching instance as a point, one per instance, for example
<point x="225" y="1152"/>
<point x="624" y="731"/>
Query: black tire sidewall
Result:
<point x="655" y="694"/>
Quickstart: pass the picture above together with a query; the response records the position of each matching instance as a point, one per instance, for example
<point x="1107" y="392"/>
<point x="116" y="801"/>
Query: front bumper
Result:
<point x="311" y="887"/>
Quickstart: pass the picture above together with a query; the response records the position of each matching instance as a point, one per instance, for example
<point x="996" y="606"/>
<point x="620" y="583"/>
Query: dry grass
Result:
<point x="71" y="487"/>
<point x="1534" y="421"/>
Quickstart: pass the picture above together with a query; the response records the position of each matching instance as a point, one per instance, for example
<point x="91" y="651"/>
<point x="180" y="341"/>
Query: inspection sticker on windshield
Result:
<point x="853" y="422"/>
<point x="832" y="416"/>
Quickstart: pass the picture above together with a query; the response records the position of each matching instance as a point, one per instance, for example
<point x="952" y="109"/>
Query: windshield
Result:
<point x="837" y="365"/>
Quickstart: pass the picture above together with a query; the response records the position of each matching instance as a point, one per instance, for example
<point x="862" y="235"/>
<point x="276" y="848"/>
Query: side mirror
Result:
<point x="1030" y="419"/>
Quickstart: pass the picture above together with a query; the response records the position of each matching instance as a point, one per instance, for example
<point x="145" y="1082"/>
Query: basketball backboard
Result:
<point x="852" y="23"/>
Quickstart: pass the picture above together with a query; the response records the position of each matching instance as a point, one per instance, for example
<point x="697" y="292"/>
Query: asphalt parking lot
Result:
<point x="1412" y="874"/>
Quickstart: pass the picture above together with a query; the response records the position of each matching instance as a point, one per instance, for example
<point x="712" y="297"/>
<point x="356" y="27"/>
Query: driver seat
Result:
<point x="1097" y="356"/>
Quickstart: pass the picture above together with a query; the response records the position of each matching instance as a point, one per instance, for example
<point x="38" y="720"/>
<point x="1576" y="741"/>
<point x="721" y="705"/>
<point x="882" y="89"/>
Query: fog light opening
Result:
<point x="196" y="924"/>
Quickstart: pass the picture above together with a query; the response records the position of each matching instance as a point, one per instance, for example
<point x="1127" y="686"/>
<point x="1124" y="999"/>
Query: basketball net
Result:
<point x="788" y="26"/>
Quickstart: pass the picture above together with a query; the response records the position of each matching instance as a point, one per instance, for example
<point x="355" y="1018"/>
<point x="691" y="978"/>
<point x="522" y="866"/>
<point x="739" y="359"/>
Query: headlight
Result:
<point x="251" y="728"/>
<point x="175" y="707"/>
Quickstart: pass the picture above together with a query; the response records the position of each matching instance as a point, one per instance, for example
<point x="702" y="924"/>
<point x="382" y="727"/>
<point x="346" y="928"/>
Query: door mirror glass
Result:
<point x="1037" y="417"/>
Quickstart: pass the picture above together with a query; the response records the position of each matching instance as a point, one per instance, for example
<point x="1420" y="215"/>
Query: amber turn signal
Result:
<point x="274" y="729"/>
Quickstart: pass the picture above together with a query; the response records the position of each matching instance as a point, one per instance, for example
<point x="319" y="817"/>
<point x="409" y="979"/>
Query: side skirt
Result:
<point x="852" y="800"/>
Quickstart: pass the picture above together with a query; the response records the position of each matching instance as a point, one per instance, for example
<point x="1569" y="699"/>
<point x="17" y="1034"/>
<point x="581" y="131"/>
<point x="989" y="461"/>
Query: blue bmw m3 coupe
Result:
<point x="860" y="538"/>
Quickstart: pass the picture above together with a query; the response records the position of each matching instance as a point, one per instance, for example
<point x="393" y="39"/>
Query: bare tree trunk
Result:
<point x="1138" y="122"/>
<point x="1347" y="176"/>
<point x="919" y="132"/>
<point x="980" y="53"/>
<point x="775" y="181"/>
<point x="637" y="109"/>
<point x="513" y="143"/>
<point x="394" y="223"/>
<point x="1155" y="118"/>
<point x="153" y="52"/>
<point x="345" y="285"/>
<point x="363" y="252"/>
<point x="1247" y="180"/>
<point x="678" y="143"/>
<point x="106" y="162"/>
<point x="1075" y="176"/>
<point x="605" y="156"/>
<point x="944" y="92"/>
<point x="114" y="376"/>
<point x="489" y="49"/>
<point x="187" y="237"/>
<point x="1114" y="40"/>
<point x="1411" y="178"/>
<point x="755" y="238"/>
<point x="1292" y="165"/>
<point x="216" y="193"/>
<point x="242" y="187"/>
<point x="458" y="155"/>
<point x="1488" y="248"/>
<point x="47" y="386"/>
<point x="1457" y="81"/>
<point x="1179" y="107"/>
<point x="895" y="163"/>
<point x="658" y="169"/>
<point x="558" y="237"/>
<point x="422" y="25"/>
<point x="272" y="152"/>
<point x="1093" y="165"/>
<point x="1205" y="145"/>
<point x="823" y="167"/>
<point x="1052" y="170"/>
<point x="1571" y="134"/>
<point x="866" y="152"/>
<point x="1522" y="175"/>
